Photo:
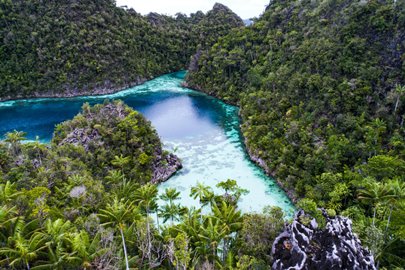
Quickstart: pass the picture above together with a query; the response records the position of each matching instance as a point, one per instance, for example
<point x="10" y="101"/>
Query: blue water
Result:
<point x="201" y="130"/>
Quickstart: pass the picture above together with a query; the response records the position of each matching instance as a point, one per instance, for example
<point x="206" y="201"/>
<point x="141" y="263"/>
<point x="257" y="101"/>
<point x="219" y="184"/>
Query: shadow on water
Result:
<point x="179" y="74"/>
<point x="203" y="129"/>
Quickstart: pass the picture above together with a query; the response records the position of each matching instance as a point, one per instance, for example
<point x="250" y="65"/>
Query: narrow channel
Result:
<point x="202" y="130"/>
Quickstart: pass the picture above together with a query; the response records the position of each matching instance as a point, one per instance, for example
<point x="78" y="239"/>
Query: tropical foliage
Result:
<point x="321" y="87"/>
<point x="87" y="201"/>
<point x="56" y="48"/>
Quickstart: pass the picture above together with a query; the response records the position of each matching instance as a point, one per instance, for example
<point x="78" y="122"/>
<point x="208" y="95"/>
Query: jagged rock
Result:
<point x="165" y="168"/>
<point x="193" y="67"/>
<point x="305" y="246"/>
<point x="83" y="136"/>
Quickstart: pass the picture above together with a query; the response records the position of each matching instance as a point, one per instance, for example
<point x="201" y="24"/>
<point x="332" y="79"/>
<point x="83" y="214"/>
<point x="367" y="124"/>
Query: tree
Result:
<point x="257" y="233"/>
<point x="39" y="149"/>
<point x="396" y="194"/>
<point x="384" y="167"/>
<point x="14" y="139"/>
<point x="170" y="195"/>
<point x="373" y="193"/>
<point x="121" y="162"/>
<point x="57" y="236"/>
<point x="171" y="210"/>
<point x="115" y="177"/>
<point x="191" y="223"/>
<point x="399" y="92"/>
<point x="117" y="215"/>
<point x="232" y="190"/>
<point x="8" y="192"/>
<point x="24" y="245"/>
<point x="8" y="218"/>
<point x="22" y="251"/>
<point x="374" y="135"/>
<point x="211" y="233"/>
<point x="179" y="251"/>
<point x="126" y="190"/>
<point x="86" y="250"/>
<point x="146" y="198"/>
<point x="203" y="193"/>
<point x="231" y="220"/>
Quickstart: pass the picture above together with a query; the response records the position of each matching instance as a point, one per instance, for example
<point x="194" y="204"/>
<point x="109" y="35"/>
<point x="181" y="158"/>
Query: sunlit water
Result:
<point x="201" y="130"/>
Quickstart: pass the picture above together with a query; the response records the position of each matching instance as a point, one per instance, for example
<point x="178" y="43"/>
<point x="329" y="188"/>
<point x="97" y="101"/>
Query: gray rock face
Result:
<point x="165" y="168"/>
<point x="84" y="137"/>
<point x="304" y="246"/>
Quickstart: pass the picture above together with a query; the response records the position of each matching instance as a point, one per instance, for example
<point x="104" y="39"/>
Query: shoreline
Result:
<point x="254" y="158"/>
<point x="94" y="92"/>
<point x="73" y="93"/>
<point x="76" y="93"/>
<point x="200" y="89"/>
<point x="104" y="91"/>
<point x="262" y="164"/>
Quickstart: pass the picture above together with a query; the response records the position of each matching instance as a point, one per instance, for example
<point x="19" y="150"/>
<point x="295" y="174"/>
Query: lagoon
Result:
<point x="202" y="130"/>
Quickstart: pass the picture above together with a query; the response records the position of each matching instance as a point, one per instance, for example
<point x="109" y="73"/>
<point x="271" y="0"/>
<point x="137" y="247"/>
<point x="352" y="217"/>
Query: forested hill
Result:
<point x="54" y="48"/>
<point x="321" y="86"/>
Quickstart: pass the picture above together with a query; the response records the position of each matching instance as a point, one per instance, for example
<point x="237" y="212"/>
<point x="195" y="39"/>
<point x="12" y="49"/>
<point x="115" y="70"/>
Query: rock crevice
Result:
<point x="303" y="245"/>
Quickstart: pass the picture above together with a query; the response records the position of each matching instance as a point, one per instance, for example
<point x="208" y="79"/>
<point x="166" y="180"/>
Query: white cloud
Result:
<point x="244" y="8"/>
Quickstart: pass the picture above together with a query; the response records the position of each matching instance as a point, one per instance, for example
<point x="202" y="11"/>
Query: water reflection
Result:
<point x="203" y="131"/>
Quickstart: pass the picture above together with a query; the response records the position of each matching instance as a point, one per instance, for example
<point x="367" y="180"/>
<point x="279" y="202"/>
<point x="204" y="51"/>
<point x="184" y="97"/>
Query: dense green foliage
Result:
<point x="321" y="86"/>
<point x="76" y="47"/>
<point x="110" y="136"/>
<point x="107" y="142"/>
<point x="86" y="202"/>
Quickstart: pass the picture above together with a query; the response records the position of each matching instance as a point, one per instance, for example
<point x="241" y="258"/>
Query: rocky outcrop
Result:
<point x="165" y="168"/>
<point x="193" y="67"/>
<point x="84" y="137"/>
<point x="262" y="164"/>
<point x="114" y="131"/>
<point x="305" y="246"/>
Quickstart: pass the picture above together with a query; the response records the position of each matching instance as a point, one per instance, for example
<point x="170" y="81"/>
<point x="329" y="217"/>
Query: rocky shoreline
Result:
<point x="253" y="157"/>
<point x="163" y="173"/>
<point x="262" y="164"/>
<point x="212" y="94"/>
<point x="69" y="93"/>
<point x="165" y="168"/>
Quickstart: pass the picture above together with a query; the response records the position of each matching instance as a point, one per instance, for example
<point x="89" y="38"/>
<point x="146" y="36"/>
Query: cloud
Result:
<point x="244" y="8"/>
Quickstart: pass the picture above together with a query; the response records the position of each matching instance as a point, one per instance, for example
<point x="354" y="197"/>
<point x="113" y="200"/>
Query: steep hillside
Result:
<point x="215" y="24"/>
<point x="321" y="86"/>
<point x="59" y="48"/>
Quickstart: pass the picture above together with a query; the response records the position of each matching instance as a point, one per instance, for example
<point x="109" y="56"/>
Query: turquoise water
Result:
<point x="201" y="130"/>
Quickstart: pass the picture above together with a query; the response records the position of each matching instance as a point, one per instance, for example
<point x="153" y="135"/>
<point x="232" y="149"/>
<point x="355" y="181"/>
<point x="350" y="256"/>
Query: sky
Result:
<point x="246" y="9"/>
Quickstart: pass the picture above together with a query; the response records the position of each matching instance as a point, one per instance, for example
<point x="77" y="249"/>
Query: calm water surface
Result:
<point x="201" y="130"/>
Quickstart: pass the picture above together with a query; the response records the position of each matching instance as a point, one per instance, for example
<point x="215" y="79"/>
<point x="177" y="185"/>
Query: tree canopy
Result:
<point x="65" y="48"/>
<point x="320" y="88"/>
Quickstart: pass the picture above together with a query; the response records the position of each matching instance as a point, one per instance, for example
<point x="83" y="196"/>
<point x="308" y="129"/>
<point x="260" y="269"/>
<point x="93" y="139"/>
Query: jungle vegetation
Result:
<point x="86" y="201"/>
<point x="65" y="48"/>
<point x="321" y="88"/>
